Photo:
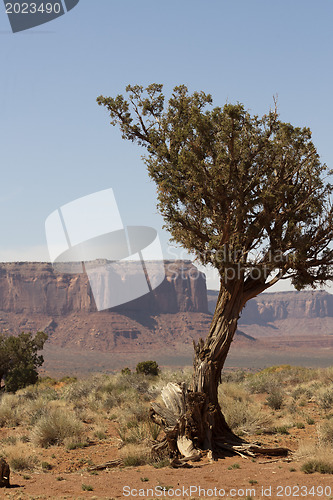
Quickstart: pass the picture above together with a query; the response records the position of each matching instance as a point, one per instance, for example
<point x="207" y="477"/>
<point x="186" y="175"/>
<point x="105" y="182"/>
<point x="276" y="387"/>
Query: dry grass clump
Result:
<point x="325" y="433"/>
<point x="138" y="432"/>
<point x="275" y="399"/>
<point x="20" y="457"/>
<point x="241" y="412"/>
<point x="315" y="458"/>
<point x="138" y="454"/>
<point x="103" y="393"/>
<point x="275" y="377"/>
<point x="9" y="410"/>
<point x="325" y="397"/>
<point x="56" y="427"/>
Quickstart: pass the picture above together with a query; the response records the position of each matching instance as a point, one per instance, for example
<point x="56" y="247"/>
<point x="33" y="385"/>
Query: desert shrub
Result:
<point x="55" y="427"/>
<point x="46" y="465"/>
<point x="316" y="457"/>
<point x="325" y="432"/>
<point x="134" y="455"/>
<point x="291" y="407"/>
<point x="154" y="430"/>
<point x="21" y="463"/>
<point x="100" y="433"/>
<point x="47" y="381"/>
<point x="9" y="414"/>
<point x="233" y="376"/>
<point x="126" y="371"/>
<point x="20" y="457"/>
<point x="137" y="432"/>
<point x="260" y="383"/>
<point x="325" y="398"/>
<point x="274" y="377"/>
<point x="315" y="465"/>
<point x="87" y="487"/>
<point x="325" y="375"/>
<point x="34" y="410"/>
<point x="148" y="368"/>
<point x="68" y="379"/>
<point x="298" y="392"/>
<point x="136" y="411"/>
<point x="275" y="399"/>
<point x="241" y="413"/>
<point x="9" y="440"/>
<point x="78" y="391"/>
<point x="103" y="393"/>
<point x="282" y="429"/>
<point x="29" y="393"/>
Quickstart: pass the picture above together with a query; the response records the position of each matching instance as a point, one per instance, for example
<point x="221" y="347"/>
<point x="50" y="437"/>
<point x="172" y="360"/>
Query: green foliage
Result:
<point x="234" y="466"/>
<point x="126" y="371"/>
<point x="46" y="465"/>
<point x="19" y="359"/>
<point x="243" y="193"/>
<point x="87" y="487"/>
<point x="147" y="368"/>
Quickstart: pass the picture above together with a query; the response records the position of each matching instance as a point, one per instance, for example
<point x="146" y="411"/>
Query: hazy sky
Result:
<point x="56" y="143"/>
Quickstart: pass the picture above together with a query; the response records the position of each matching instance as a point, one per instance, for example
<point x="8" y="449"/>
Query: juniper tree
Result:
<point x="247" y="195"/>
<point x="19" y="359"/>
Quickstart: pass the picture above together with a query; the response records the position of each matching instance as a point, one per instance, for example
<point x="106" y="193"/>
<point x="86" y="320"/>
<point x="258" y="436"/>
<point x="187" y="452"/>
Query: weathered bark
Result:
<point x="210" y="356"/>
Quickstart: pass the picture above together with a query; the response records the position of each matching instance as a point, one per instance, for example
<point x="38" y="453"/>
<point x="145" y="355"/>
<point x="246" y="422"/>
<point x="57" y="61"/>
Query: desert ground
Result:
<point x="91" y="438"/>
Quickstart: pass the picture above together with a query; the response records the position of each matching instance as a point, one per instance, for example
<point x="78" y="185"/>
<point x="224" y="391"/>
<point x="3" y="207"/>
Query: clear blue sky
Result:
<point x="56" y="143"/>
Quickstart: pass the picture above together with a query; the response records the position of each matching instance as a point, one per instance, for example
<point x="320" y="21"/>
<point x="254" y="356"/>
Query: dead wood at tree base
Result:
<point x="192" y="425"/>
<point x="251" y="450"/>
<point x="112" y="463"/>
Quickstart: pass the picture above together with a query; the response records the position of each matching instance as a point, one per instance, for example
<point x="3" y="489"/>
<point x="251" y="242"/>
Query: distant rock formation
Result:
<point x="270" y="307"/>
<point x="35" y="288"/>
<point x="34" y="297"/>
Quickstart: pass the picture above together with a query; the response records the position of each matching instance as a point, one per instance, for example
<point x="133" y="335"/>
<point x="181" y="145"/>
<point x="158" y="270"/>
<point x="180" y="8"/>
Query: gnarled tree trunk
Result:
<point x="194" y="414"/>
<point x="192" y="417"/>
<point x="210" y="357"/>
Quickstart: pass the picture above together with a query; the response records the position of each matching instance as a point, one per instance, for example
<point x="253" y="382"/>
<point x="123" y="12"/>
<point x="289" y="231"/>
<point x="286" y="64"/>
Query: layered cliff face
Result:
<point x="35" y="288"/>
<point x="33" y="296"/>
<point x="276" y="306"/>
<point x="305" y="312"/>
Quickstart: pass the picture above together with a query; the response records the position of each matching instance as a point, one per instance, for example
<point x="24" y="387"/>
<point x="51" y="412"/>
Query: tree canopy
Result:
<point x="19" y="359"/>
<point x="246" y="194"/>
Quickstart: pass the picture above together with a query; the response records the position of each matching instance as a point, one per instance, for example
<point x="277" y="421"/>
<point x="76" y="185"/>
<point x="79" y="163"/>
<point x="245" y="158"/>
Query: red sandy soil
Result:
<point x="260" y="478"/>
